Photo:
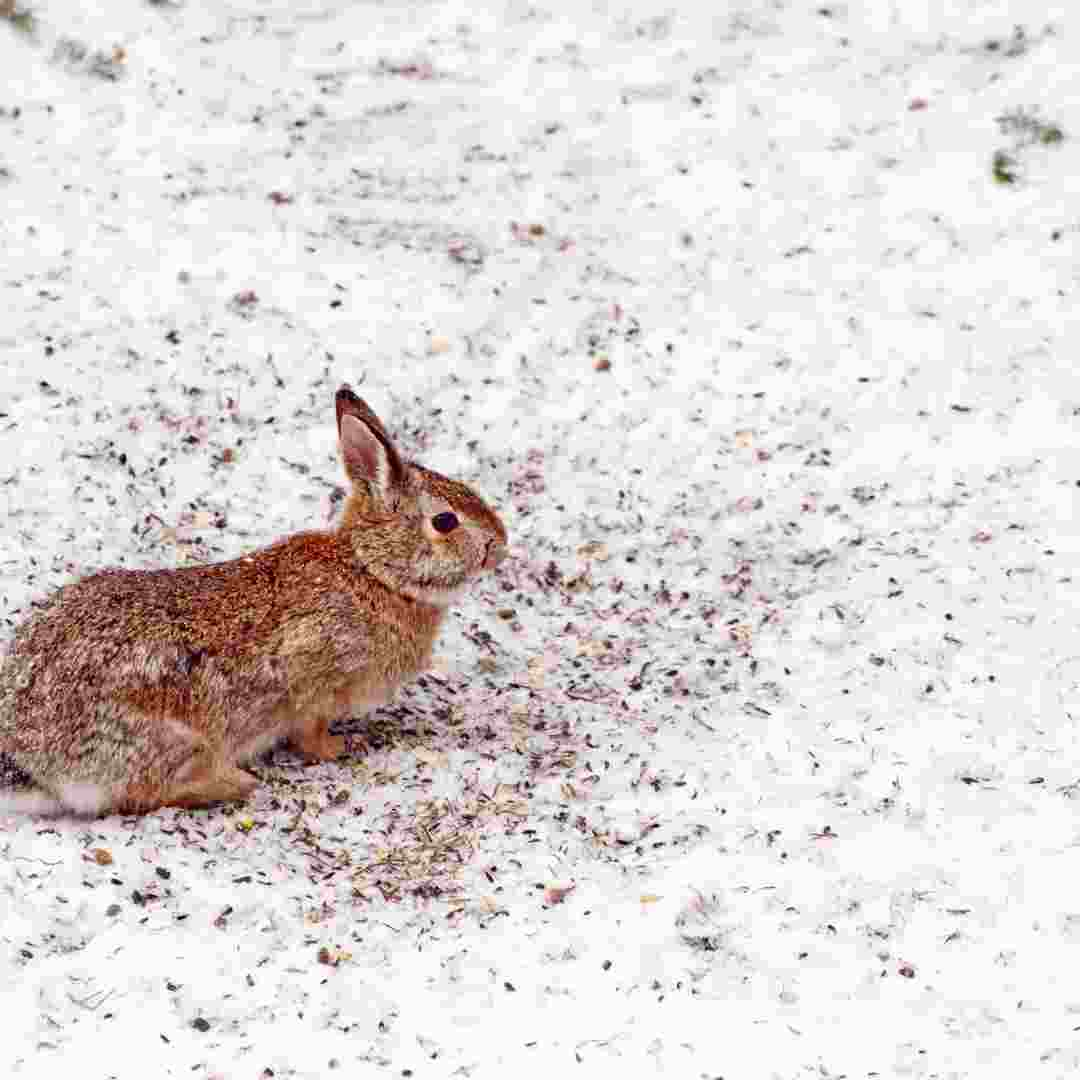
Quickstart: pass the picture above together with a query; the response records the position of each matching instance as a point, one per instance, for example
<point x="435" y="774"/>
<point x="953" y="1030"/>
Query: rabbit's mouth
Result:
<point x="440" y="588"/>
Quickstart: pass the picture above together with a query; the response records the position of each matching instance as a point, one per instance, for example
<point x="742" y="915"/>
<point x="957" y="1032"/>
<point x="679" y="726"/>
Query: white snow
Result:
<point x="760" y="757"/>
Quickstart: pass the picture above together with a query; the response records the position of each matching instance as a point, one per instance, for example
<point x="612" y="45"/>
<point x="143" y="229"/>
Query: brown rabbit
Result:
<point x="135" y="689"/>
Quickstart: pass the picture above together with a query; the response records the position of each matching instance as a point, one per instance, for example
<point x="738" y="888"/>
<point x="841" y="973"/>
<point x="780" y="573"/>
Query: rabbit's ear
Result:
<point x="368" y="452"/>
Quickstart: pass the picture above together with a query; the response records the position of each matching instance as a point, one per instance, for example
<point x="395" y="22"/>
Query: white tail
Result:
<point x="82" y="800"/>
<point x="29" y="802"/>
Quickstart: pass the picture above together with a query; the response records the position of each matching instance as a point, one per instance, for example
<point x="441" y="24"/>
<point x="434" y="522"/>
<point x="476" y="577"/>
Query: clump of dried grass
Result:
<point x="424" y="856"/>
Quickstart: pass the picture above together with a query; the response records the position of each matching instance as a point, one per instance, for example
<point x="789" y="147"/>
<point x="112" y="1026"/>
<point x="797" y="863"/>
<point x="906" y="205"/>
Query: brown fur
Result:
<point x="151" y="687"/>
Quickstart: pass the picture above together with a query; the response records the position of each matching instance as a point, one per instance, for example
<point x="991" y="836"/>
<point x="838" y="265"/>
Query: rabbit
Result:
<point x="132" y="690"/>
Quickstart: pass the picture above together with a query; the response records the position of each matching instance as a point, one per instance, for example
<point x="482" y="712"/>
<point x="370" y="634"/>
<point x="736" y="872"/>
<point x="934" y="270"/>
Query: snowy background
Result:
<point x="757" y="321"/>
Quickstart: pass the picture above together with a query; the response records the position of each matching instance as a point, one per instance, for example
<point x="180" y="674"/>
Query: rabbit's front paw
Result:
<point x="316" y="743"/>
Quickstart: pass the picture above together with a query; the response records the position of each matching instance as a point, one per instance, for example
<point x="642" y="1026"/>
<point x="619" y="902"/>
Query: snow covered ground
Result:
<point x="760" y="758"/>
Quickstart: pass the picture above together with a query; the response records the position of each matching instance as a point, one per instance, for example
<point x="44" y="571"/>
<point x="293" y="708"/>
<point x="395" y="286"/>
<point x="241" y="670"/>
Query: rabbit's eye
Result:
<point x="446" y="522"/>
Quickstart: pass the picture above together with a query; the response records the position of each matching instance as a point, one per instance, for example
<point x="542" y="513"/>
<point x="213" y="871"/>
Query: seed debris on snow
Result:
<point x="768" y="705"/>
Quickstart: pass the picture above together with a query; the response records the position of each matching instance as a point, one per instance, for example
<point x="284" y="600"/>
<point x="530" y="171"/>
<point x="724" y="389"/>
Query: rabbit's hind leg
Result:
<point x="219" y="784"/>
<point x="201" y="779"/>
<point x="208" y="786"/>
<point x="122" y="759"/>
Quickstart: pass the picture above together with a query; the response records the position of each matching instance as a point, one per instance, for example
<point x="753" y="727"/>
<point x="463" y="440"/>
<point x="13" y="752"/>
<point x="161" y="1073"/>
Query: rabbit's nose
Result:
<point x="495" y="554"/>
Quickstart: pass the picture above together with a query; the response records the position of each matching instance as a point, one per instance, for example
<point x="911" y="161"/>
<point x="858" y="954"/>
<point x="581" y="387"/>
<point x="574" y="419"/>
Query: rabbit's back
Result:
<point x="223" y="648"/>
